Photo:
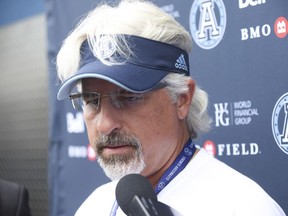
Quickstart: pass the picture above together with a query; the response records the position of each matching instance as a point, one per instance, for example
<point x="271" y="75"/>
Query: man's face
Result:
<point x="138" y="136"/>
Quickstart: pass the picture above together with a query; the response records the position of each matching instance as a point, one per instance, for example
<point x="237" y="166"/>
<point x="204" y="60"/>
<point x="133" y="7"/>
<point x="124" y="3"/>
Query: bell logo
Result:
<point x="205" y="30"/>
<point x="246" y="3"/>
<point x="75" y="124"/>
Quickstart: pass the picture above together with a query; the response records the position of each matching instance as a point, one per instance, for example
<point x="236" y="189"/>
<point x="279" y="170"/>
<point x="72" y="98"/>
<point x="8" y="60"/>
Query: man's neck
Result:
<point x="155" y="177"/>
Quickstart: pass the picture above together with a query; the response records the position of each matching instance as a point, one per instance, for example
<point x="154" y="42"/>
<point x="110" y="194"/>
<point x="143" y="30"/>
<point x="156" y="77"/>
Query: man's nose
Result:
<point x="108" y="119"/>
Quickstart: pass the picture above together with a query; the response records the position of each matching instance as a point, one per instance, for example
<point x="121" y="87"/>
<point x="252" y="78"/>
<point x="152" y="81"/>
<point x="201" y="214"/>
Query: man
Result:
<point x="127" y="67"/>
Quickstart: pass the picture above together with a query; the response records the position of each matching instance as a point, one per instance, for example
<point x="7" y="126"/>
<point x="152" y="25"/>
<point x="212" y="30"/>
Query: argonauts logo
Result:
<point x="207" y="22"/>
<point x="104" y="48"/>
<point x="280" y="123"/>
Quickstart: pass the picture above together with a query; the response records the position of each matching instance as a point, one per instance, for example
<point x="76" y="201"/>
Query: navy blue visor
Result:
<point x="150" y="62"/>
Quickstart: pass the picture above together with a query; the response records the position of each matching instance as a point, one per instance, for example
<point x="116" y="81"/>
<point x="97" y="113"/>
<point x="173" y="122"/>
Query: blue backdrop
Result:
<point x="239" y="57"/>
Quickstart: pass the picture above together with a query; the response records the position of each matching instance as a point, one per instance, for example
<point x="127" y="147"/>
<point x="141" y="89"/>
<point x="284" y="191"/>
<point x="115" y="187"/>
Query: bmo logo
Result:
<point x="281" y="27"/>
<point x="210" y="147"/>
<point x="246" y="3"/>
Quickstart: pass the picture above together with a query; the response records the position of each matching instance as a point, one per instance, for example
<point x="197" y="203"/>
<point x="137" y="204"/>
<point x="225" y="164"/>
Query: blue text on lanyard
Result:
<point x="177" y="166"/>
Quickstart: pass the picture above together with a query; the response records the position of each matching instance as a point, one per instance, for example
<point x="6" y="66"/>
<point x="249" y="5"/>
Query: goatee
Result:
<point x="116" y="166"/>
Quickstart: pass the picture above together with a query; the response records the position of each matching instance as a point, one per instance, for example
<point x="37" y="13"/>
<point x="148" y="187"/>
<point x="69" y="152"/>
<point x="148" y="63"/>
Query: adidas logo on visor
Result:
<point x="181" y="63"/>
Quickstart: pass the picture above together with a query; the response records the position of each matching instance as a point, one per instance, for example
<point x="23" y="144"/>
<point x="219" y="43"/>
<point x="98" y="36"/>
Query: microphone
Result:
<point x="136" y="197"/>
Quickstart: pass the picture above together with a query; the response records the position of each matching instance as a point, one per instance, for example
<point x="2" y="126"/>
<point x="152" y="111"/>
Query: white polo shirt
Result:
<point x="205" y="187"/>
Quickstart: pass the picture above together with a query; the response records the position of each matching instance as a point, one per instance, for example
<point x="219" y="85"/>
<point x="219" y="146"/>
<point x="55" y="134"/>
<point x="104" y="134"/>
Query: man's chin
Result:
<point x="115" y="167"/>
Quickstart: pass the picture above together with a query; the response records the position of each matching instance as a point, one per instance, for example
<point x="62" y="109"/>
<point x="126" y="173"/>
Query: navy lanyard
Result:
<point x="176" y="167"/>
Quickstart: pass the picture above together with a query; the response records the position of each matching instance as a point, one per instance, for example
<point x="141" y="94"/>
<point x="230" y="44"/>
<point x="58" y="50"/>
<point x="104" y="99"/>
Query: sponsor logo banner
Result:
<point x="234" y="113"/>
<point x="247" y="3"/>
<point x="207" y="22"/>
<point x="231" y="149"/>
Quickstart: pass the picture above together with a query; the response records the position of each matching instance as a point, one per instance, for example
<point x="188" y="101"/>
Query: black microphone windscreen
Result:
<point x="131" y="185"/>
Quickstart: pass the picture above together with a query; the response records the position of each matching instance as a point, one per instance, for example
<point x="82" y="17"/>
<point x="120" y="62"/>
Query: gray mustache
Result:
<point x="116" y="139"/>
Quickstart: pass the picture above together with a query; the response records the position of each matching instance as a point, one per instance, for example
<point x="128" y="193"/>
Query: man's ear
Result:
<point x="184" y="101"/>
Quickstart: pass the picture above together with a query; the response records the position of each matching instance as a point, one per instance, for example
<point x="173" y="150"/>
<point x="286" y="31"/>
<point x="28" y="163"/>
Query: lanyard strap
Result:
<point x="176" y="167"/>
<point x="114" y="208"/>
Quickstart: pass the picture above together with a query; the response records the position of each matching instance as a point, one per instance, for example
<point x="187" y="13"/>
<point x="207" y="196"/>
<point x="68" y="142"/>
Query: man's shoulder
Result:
<point x="208" y="181"/>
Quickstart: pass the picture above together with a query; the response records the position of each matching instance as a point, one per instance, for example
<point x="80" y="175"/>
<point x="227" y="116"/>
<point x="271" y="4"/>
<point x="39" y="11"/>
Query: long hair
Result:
<point x="198" y="120"/>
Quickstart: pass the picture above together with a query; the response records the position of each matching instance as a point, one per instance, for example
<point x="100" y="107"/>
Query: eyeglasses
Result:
<point x="118" y="98"/>
<point x="92" y="100"/>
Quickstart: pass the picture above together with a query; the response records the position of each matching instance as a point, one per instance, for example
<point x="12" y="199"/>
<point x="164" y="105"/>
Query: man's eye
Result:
<point x="132" y="99"/>
<point x="136" y="98"/>
<point x="94" y="103"/>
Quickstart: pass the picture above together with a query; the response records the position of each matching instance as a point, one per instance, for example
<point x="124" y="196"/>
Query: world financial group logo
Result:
<point x="207" y="22"/>
<point x="280" y="123"/>
<point x="234" y="113"/>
